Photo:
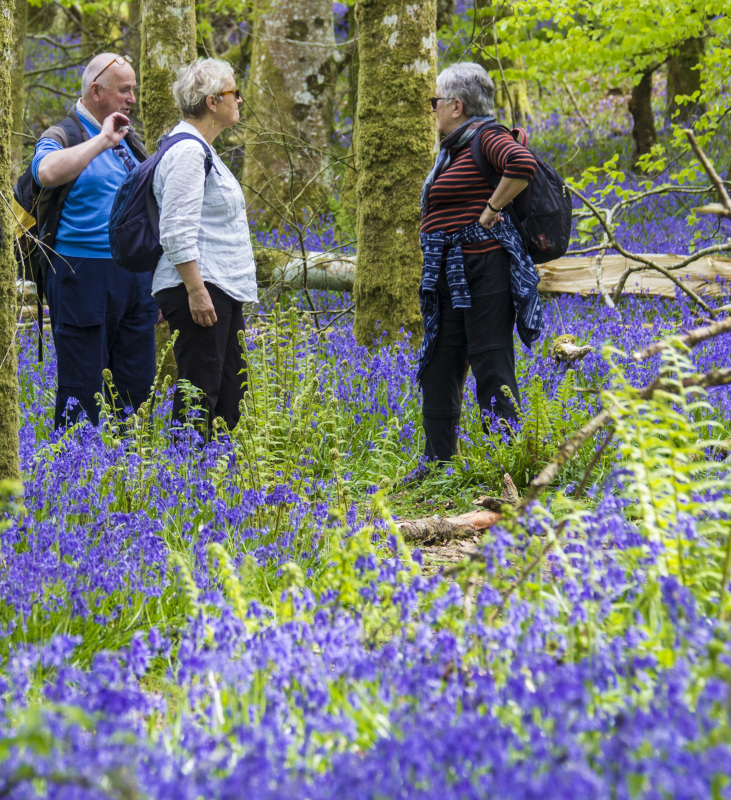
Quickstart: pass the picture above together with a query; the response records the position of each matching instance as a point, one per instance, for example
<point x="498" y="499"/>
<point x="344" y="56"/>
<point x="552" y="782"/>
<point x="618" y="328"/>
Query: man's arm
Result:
<point x="63" y="166"/>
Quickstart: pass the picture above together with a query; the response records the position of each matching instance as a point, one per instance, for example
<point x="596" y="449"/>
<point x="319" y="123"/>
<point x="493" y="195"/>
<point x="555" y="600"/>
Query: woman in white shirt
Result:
<point x="207" y="269"/>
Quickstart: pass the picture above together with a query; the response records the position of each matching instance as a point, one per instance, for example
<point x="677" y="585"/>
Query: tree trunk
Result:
<point x="684" y="78"/>
<point x="640" y="107"/>
<point x="9" y="461"/>
<point x="445" y="10"/>
<point x="134" y="42"/>
<point x="167" y="34"/>
<point x="289" y="109"/>
<point x="20" y="25"/>
<point x="396" y="148"/>
<point x="168" y="43"/>
<point x="511" y="99"/>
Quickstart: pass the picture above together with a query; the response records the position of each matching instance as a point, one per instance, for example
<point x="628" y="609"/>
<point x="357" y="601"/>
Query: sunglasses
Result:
<point x="435" y="100"/>
<point x="235" y="92"/>
<point x="121" y="60"/>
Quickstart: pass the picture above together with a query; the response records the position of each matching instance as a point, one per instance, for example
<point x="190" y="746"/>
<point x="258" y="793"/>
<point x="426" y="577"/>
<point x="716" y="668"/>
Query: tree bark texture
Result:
<point x="289" y="109"/>
<point x="9" y="461"/>
<point x="640" y="107"/>
<point x="396" y="149"/>
<point x="134" y="22"/>
<point x="168" y="43"/>
<point x="17" y="91"/>
<point x="437" y="530"/>
<point x="684" y="78"/>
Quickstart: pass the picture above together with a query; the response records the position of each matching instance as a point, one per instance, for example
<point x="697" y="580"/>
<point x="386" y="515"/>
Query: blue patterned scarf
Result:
<point x="523" y="280"/>
<point x="456" y="140"/>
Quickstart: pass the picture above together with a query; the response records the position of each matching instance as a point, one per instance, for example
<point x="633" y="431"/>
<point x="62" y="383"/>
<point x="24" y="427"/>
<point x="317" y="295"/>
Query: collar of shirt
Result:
<point x="87" y="116"/>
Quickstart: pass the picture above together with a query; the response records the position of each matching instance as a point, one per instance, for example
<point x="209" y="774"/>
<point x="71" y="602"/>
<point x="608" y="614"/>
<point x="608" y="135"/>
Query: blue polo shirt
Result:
<point x="82" y="230"/>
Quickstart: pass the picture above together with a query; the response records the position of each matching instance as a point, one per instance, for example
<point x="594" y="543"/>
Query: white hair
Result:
<point x="471" y="84"/>
<point x="92" y="70"/>
<point x="197" y="81"/>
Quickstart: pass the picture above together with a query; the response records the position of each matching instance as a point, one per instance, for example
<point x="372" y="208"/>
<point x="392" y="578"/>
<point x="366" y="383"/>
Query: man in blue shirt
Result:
<point x="101" y="316"/>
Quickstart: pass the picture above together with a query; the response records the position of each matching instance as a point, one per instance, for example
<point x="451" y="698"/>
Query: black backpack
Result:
<point x="542" y="211"/>
<point x="43" y="207"/>
<point x="134" y="221"/>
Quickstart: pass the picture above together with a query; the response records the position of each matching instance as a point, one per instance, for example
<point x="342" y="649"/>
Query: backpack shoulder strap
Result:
<point x="489" y="173"/>
<point x="169" y="141"/>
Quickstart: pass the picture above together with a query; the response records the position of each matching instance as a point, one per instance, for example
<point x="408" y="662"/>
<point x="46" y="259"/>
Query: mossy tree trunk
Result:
<point x="168" y="43"/>
<point x="684" y="78"/>
<point x="134" y="43"/>
<point x="289" y="108"/>
<point x="9" y="461"/>
<point x="511" y="97"/>
<point x="17" y="92"/>
<point x="640" y="107"/>
<point x="397" y="51"/>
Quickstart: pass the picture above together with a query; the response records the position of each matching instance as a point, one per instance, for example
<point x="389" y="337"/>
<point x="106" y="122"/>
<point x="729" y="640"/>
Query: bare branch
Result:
<point x="691" y="339"/>
<point x="712" y="174"/>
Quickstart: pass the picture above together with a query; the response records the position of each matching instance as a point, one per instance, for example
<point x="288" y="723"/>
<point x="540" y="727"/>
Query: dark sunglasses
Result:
<point x="235" y="92"/>
<point x="435" y="100"/>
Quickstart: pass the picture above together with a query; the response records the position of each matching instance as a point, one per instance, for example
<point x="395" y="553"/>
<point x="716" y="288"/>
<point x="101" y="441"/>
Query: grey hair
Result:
<point x="204" y="77"/>
<point x="93" y="68"/>
<point x="471" y="84"/>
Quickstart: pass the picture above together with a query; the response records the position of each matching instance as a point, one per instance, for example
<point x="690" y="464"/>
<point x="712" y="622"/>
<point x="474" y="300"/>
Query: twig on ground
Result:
<point x="568" y="449"/>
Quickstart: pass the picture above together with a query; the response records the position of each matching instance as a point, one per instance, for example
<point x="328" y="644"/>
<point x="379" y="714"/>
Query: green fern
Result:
<point x="666" y="443"/>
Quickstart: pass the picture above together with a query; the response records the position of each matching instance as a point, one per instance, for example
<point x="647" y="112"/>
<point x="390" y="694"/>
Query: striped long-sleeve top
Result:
<point x="459" y="195"/>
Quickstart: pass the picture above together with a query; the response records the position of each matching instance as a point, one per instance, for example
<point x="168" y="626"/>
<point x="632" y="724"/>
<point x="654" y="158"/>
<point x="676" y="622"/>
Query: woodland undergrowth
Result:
<point x="192" y="607"/>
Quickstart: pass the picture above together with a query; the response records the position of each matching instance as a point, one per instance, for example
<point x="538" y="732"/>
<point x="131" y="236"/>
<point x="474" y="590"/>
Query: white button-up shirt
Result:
<point x="202" y="219"/>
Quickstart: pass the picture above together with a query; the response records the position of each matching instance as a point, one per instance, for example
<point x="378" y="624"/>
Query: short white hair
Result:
<point x="92" y="70"/>
<point x="471" y="84"/>
<point x="199" y="80"/>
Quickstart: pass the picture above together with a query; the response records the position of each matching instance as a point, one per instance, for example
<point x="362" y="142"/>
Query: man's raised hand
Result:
<point x="115" y="128"/>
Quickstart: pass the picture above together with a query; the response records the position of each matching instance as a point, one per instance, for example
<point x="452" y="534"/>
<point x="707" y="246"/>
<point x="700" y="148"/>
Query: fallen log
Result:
<point x="436" y="529"/>
<point x="569" y="275"/>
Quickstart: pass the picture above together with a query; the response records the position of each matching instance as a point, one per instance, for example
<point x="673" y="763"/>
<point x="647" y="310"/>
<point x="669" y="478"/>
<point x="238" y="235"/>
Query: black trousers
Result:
<point x="210" y="358"/>
<point x="102" y="317"/>
<point x="480" y="337"/>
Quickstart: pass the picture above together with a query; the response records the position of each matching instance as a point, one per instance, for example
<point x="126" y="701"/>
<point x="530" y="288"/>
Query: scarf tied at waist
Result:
<point x="523" y="280"/>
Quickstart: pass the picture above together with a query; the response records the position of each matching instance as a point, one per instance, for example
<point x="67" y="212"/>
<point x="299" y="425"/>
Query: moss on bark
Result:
<point x="17" y="92"/>
<point x="168" y="43"/>
<point x="289" y="108"/>
<point x="133" y="31"/>
<point x="9" y="462"/>
<point x="396" y="149"/>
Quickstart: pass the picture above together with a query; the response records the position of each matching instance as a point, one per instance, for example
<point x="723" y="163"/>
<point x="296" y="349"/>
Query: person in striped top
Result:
<point x="465" y="294"/>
